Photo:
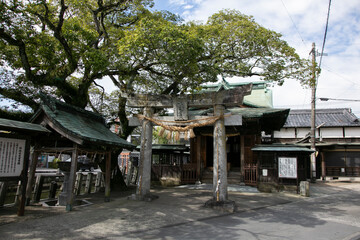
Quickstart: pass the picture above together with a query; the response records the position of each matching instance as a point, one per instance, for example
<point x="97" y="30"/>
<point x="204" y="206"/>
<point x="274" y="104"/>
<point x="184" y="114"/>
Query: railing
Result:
<point x="188" y="173"/>
<point x="250" y="177"/>
<point x="184" y="174"/>
<point x="343" y="171"/>
<point x="49" y="186"/>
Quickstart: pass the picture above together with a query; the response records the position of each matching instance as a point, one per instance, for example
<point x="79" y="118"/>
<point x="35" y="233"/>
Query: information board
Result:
<point x="12" y="152"/>
<point x="287" y="167"/>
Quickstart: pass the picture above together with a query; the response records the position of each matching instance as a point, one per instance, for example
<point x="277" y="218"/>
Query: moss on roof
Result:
<point x="281" y="148"/>
<point x="79" y="123"/>
<point x="17" y="126"/>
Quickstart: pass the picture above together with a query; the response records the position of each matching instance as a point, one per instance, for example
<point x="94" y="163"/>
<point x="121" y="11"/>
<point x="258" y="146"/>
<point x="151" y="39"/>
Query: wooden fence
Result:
<point x="343" y="171"/>
<point x="49" y="186"/>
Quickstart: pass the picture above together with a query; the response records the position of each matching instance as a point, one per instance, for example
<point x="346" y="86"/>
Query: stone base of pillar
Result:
<point x="223" y="206"/>
<point x="147" y="197"/>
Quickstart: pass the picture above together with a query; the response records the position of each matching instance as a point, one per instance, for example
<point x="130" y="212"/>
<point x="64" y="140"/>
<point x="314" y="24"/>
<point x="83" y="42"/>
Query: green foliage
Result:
<point x="48" y="44"/>
<point x="157" y="138"/>
<point x="171" y="56"/>
<point x="62" y="47"/>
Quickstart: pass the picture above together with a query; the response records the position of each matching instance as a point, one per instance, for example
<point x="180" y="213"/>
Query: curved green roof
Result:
<point x="281" y="148"/>
<point x="78" y="124"/>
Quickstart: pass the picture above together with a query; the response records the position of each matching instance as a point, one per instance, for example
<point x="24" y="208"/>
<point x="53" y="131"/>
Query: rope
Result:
<point x="188" y="130"/>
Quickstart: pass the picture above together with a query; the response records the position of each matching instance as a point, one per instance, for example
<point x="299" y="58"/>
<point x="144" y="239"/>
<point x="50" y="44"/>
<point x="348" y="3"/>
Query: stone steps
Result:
<point x="234" y="177"/>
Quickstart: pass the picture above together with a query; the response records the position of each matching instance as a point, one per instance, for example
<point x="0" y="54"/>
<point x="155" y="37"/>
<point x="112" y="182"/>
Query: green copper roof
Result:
<point x="259" y="112"/>
<point x="268" y="118"/>
<point x="260" y="95"/>
<point x="281" y="148"/>
<point x="79" y="124"/>
<point x="169" y="147"/>
<point x="17" y="126"/>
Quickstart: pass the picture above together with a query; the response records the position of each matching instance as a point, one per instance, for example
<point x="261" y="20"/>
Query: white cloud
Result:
<point x="188" y="6"/>
<point x="177" y="2"/>
<point x="301" y="23"/>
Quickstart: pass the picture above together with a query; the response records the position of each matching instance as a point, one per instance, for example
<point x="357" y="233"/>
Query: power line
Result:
<point x="325" y="34"/>
<point x="293" y="22"/>
<point x="339" y="99"/>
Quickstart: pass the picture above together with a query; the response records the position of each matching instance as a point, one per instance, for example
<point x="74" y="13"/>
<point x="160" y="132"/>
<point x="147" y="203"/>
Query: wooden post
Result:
<point x="88" y="182"/>
<point x="3" y="190"/>
<point x="242" y="158"/>
<point x="323" y="166"/>
<point x="98" y="181"/>
<point x="313" y="116"/>
<point x="30" y="183"/>
<point x="108" y="177"/>
<point x="129" y="173"/>
<point x="38" y="188"/>
<point x="52" y="190"/>
<point x="143" y="187"/>
<point x="198" y="157"/>
<point x="78" y="183"/>
<point x="220" y="160"/>
<point x="135" y="175"/>
<point x="72" y="178"/>
<point x="18" y="193"/>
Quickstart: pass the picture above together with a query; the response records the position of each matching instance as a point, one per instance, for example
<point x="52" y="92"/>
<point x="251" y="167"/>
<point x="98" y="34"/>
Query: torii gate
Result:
<point x="218" y="100"/>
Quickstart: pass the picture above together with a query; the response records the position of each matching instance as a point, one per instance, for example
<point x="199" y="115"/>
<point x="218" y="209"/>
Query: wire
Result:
<point x="326" y="30"/>
<point x="292" y="20"/>
<point x="339" y="99"/>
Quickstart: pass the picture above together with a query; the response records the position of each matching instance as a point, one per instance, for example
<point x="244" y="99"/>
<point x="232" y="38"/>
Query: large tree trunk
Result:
<point x="125" y="129"/>
<point x="117" y="181"/>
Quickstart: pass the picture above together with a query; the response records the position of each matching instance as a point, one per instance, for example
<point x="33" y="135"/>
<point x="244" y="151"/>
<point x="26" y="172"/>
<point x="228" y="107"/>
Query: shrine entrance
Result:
<point x="184" y="124"/>
<point x="232" y="150"/>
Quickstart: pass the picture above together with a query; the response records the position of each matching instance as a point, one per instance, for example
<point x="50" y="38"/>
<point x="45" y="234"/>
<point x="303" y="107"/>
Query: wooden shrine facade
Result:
<point x="221" y="131"/>
<point x="75" y="132"/>
<point x="184" y="123"/>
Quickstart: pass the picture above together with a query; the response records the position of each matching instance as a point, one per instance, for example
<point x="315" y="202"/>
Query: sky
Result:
<point x="301" y="23"/>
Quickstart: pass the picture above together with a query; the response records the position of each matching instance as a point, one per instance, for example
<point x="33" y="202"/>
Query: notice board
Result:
<point x="12" y="152"/>
<point x="287" y="167"/>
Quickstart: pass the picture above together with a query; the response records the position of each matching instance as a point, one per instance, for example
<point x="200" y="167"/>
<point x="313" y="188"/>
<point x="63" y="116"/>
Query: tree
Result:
<point x="65" y="46"/>
<point x="162" y="55"/>
<point x="173" y="57"/>
<point x="61" y="47"/>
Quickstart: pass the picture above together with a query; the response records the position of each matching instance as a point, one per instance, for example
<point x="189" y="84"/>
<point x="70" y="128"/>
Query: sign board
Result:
<point x="287" y="167"/>
<point x="12" y="152"/>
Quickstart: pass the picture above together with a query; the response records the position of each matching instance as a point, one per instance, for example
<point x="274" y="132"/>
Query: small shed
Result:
<point x="15" y="140"/>
<point x="281" y="165"/>
<point x="74" y="131"/>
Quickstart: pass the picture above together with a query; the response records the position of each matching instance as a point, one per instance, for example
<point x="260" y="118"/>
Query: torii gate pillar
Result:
<point x="144" y="178"/>
<point x="220" y="159"/>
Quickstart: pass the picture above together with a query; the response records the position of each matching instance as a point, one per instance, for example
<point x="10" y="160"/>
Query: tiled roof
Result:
<point x="336" y="117"/>
<point x="79" y="123"/>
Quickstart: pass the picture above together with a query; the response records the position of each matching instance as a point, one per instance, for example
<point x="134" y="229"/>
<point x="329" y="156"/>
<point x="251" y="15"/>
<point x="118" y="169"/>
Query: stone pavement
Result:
<point x="120" y="217"/>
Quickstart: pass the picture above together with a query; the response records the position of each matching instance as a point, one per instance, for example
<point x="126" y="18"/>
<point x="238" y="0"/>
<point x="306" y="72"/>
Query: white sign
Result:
<point x="287" y="167"/>
<point x="12" y="153"/>
<point x="265" y="172"/>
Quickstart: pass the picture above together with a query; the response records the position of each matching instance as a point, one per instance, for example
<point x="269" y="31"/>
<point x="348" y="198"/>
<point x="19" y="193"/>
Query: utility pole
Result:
<point x="313" y="83"/>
